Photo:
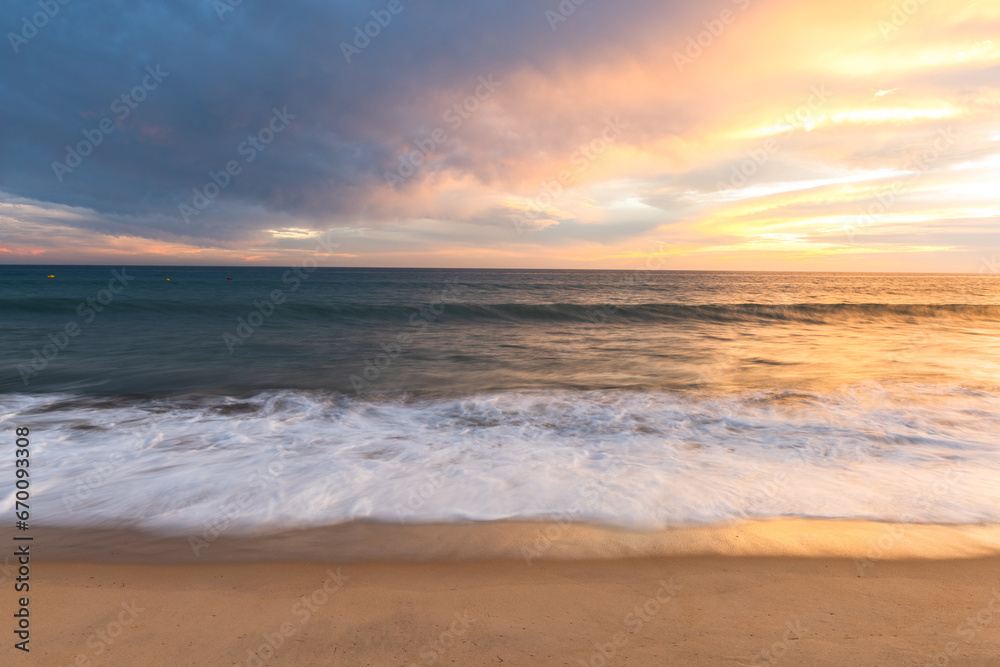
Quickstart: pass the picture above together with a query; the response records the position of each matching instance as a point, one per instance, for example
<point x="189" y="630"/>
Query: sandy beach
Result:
<point x="454" y="334"/>
<point x="693" y="609"/>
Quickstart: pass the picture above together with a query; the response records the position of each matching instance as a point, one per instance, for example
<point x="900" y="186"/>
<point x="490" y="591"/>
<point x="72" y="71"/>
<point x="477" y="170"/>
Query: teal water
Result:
<point x="275" y="398"/>
<point x="461" y="332"/>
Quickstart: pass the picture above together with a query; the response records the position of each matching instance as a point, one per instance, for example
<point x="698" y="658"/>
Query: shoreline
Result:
<point x="524" y="541"/>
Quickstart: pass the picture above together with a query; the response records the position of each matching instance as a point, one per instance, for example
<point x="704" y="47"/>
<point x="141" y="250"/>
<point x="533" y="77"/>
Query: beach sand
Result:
<point x="735" y="607"/>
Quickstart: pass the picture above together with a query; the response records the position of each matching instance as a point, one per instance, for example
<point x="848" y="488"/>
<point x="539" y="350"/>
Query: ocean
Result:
<point x="167" y="399"/>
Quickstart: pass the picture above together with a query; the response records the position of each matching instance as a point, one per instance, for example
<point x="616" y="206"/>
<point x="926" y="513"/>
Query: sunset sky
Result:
<point x="757" y="135"/>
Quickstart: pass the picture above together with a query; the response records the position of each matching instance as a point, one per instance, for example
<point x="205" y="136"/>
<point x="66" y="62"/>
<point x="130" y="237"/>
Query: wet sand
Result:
<point x="691" y="608"/>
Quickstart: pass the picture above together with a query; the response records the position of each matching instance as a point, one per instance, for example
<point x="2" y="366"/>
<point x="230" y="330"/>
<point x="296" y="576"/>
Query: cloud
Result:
<point x="452" y="117"/>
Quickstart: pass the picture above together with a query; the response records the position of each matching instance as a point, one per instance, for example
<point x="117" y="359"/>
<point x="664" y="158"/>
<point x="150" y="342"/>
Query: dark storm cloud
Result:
<point x="221" y="71"/>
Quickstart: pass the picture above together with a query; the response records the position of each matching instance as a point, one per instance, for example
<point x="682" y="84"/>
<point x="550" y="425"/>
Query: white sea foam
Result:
<point x="645" y="460"/>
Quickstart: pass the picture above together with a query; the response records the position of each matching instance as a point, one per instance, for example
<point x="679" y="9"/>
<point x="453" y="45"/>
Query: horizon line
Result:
<point x="453" y="268"/>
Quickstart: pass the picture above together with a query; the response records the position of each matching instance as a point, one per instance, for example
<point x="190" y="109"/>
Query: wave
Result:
<point x="811" y="313"/>
<point x="289" y="459"/>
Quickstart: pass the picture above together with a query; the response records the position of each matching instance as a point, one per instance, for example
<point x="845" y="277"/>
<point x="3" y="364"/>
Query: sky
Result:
<point x="720" y="135"/>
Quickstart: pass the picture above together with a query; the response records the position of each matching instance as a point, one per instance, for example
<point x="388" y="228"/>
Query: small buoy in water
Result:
<point x="168" y="280"/>
<point x="229" y="278"/>
<point x="50" y="276"/>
